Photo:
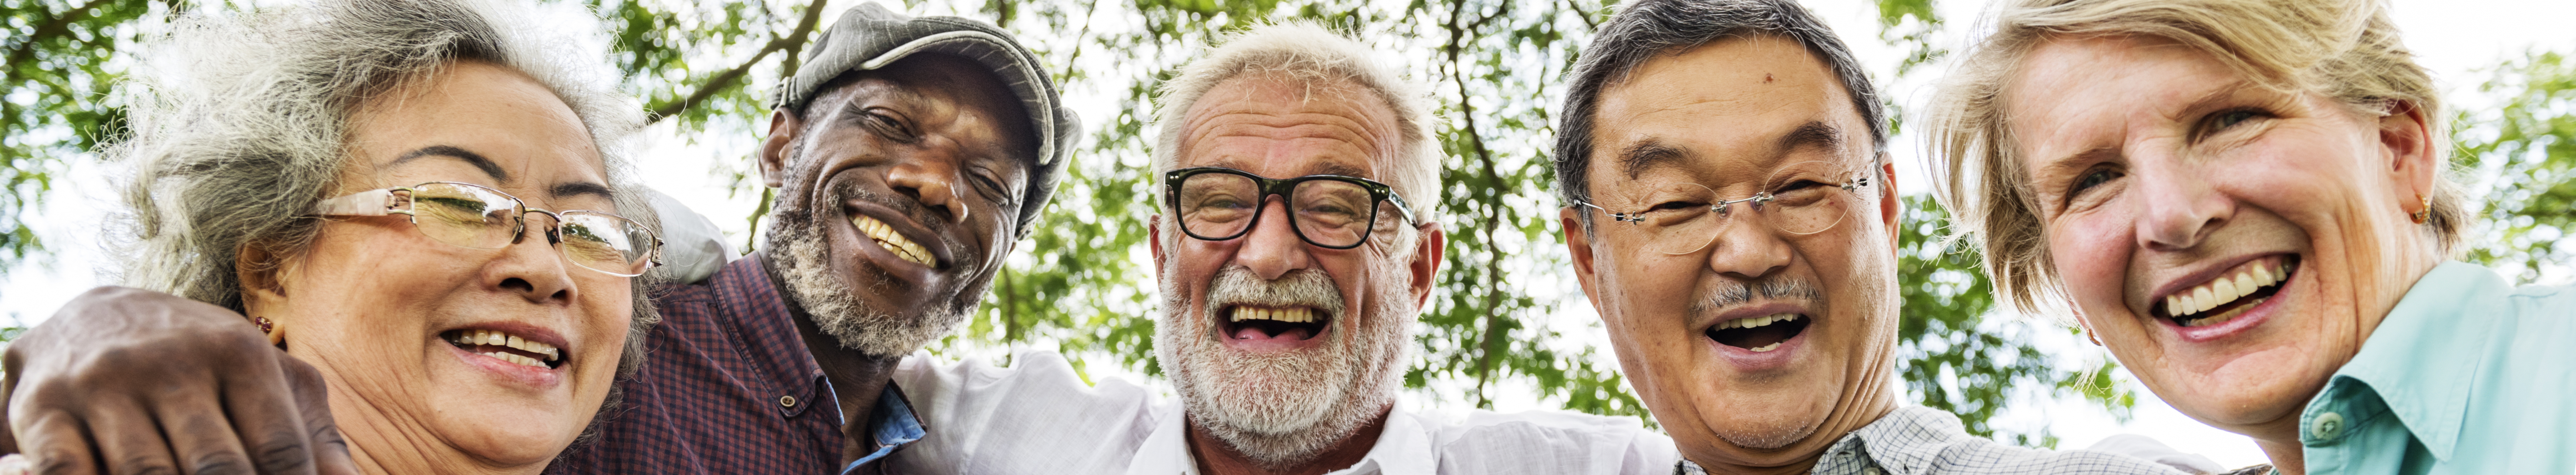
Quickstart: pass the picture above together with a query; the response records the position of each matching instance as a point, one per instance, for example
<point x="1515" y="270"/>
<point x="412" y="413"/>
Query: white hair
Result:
<point x="237" y="124"/>
<point x="1307" y="54"/>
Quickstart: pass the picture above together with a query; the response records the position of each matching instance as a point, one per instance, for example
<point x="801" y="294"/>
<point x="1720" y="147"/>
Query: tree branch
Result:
<point x="792" y="43"/>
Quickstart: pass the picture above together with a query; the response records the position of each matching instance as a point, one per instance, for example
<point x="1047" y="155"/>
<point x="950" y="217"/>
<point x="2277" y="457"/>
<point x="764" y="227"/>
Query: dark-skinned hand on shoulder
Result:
<point x="125" y="380"/>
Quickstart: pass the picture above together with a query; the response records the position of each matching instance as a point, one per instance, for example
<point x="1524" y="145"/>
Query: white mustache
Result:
<point x="1238" y="285"/>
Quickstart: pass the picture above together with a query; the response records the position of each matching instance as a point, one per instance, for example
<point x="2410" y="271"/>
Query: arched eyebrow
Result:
<point x="577" y="188"/>
<point x="463" y="155"/>
<point x="1815" y="133"/>
<point x="1650" y="153"/>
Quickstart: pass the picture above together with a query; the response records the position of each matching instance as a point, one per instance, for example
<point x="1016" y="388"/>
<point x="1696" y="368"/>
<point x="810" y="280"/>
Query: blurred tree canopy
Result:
<point x="1083" y="285"/>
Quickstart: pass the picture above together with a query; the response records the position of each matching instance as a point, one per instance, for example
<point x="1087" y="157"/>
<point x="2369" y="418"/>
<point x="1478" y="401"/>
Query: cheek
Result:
<point x="2091" y="253"/>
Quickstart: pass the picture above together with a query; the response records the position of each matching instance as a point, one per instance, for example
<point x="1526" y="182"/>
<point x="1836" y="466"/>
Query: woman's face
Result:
<point x="2233" y="245"/>
<point x="377" y="306"/>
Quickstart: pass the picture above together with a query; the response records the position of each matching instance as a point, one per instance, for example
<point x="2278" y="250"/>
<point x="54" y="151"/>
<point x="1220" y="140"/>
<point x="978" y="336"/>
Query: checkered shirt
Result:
<point x="728" y="387"/>
<point x="1917" y="440"/>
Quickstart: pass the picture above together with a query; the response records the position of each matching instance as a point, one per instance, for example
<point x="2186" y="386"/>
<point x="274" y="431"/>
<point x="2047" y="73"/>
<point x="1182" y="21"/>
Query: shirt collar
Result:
<point x="892" y="425"/>
<point x="1905" y="441"/>
<point x="2421" y="358"/>
<point x="1403" y="449"/>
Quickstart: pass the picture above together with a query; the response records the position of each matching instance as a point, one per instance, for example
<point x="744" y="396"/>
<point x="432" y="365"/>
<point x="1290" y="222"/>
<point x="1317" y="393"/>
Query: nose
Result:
<point x="1272" y="248"/>
<point x="1748" y="249"/>
<point x="533" y="268"/>
<point x="929" y="175"/>
<point x="2177" y="208"/>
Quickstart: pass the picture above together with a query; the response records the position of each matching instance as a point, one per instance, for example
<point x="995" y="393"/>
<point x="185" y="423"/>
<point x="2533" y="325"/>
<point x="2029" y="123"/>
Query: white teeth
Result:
<point x="885" y="236"/>
<point x="497" y="338"/>
<point x="1756" y="322"/>
<point x="1291" y="315"/>
<point x="1765" y="348"/>
<point x="2223" y="290"/>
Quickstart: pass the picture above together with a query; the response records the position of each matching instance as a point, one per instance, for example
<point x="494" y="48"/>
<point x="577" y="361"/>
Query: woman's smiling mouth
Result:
<point x="2229" y="295"/>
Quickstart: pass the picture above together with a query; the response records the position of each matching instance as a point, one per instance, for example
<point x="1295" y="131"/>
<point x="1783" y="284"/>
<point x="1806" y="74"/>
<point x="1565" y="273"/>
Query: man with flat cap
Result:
<point x="908" y="156"/>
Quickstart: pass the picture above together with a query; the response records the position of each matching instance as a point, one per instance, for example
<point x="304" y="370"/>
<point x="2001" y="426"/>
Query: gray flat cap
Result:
<point x="868" y="37"/>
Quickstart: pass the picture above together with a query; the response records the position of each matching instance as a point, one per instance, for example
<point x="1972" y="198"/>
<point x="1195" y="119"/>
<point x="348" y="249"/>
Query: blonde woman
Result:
<point x="2245" y="201"/>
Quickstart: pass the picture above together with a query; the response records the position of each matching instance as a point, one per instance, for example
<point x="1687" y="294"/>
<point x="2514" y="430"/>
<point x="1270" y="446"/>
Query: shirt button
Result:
<point x="1869" y="471"/>
<point x="2327" y="426"/>
<point x="788" y="401"/>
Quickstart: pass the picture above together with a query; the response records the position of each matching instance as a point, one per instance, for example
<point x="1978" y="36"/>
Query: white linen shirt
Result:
<point x="1040" y="417"/>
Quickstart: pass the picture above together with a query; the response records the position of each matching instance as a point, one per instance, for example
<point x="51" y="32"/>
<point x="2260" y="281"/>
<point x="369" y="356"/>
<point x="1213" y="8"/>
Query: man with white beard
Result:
<point x="1294" y="248"/>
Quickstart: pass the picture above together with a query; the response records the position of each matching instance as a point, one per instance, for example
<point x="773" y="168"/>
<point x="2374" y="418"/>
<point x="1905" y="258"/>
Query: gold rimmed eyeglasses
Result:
<point x="473" y="216"/>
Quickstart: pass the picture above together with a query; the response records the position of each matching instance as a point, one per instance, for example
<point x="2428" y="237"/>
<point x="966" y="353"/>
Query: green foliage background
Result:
<point x="1083" y="286"/>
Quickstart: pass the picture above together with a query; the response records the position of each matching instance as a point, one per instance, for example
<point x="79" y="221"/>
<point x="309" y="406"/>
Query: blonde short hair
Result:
<point x="2347" y="50"/>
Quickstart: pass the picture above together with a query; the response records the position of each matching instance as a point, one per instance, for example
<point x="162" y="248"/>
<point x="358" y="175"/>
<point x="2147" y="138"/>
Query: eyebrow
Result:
<point x="489" y="168"/>
<point x="1813" y="133"/>
<point x="1647" y="154"/>
<point x="577" y="188"/>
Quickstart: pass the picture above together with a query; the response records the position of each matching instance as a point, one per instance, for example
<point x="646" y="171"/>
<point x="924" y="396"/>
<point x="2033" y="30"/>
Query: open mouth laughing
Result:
<point x="1758" y="334"/>
<point x="894" y="242"/>
<point x="1296" y="323"/>
<point x="507" y="347"/>
<point x="2229" y="295"/>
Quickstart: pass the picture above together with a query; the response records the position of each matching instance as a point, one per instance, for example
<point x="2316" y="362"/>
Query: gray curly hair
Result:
<point x="237" y="126"/>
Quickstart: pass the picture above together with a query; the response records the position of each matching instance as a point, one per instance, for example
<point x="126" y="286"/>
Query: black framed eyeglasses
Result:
<point x="1330" y="211"/>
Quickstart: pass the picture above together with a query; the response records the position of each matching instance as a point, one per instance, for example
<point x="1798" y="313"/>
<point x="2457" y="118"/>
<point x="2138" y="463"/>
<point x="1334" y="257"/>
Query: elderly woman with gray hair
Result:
<point x="419" y="201"/>
<point x="2245" y="201"/>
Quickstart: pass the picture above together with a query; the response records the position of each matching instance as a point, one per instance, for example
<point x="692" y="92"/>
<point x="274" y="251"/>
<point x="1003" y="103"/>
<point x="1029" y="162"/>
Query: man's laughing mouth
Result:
<point x="1283" y="324"/>
<point x="1758" y="333"/>
<point x="894" y="242"/>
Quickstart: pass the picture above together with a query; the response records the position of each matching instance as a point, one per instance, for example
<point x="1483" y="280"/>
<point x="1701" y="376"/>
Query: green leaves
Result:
<point x="2520" y="157"/>
<point x="1956" y="354"/>
<point x="60" y="62"/>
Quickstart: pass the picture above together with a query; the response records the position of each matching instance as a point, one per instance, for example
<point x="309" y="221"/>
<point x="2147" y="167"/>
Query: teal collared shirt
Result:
<point x="2468" y="375"/>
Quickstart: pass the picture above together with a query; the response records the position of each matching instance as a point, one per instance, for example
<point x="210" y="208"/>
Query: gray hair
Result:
<point x="238" y="126"/>
<point x="1308" y="54"/>
<point x="1644" y="30"/>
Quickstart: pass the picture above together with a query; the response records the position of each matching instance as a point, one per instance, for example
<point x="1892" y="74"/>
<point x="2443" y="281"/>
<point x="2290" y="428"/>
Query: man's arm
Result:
<point x="124" y="380"/>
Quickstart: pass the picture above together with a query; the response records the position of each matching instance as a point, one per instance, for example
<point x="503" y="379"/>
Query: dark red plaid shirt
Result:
<point x="727" y="387"/>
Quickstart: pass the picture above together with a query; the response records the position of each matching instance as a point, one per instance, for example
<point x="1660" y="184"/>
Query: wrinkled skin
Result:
<point x="1281" y="129"/>
<point x="2158" y="168"/>
<point x="1731" y="111"/>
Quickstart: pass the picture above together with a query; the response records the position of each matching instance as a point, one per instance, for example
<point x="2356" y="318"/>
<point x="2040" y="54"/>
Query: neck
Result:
<point x="398" y="451"/>
<point x="857" y="378"/>
<point x="2285" y="457"/>
<point x="1216" y="457"/>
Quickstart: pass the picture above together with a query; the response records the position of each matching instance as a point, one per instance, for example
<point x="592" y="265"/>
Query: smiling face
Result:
<point x="379" y="308"/>
<point x="1760" y="348"/>
<point x="2232" y="244"/>
<point x="1278" y="346"/>
<point x="898" y="192"/>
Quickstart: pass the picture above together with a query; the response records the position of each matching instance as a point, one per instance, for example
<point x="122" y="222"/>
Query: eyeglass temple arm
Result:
<point x="376" y="202"/>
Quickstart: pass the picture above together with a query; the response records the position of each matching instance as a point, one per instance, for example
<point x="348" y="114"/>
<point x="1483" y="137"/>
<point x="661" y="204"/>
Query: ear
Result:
<point x="1888" y="207"/>
<point x="263" y="278"/>
<point x="1154" y="242"/>
<point x="1428" y="253"/>
<point x="2406" y="136"/>
<point x="773" y="150"/>
<point x="1579" y="244"/>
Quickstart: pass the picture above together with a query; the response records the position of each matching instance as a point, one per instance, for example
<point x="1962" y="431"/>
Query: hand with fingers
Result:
<point x="124" y="380"/>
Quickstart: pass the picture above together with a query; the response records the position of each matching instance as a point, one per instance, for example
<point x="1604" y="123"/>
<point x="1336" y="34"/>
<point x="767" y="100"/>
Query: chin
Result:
<point x="512" y="436"/>
<point x="2255" y="388"/>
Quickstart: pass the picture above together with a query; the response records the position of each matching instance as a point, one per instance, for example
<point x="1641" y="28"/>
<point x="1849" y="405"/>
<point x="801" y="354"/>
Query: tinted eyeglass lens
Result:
<point x="465" y="216"/>
<point x="1333" y="213"/>
<point x="1217" y="205"/>
<point x="605" y="243"/>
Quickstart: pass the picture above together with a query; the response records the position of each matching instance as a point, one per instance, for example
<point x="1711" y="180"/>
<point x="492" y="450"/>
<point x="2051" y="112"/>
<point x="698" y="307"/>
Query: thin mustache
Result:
<point x="1731" y="293"/>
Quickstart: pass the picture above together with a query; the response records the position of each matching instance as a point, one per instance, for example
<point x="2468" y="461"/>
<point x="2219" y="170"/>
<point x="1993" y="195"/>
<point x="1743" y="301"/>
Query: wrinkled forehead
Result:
<point x="481" y="123"/>
<point x="1282" y="127"/>
<point x="943" y="86"/>
<point x="1730" y="110"/>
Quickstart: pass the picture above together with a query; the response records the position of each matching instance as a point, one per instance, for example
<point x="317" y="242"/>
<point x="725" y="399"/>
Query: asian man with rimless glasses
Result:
<point x="1731" y="213"/>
